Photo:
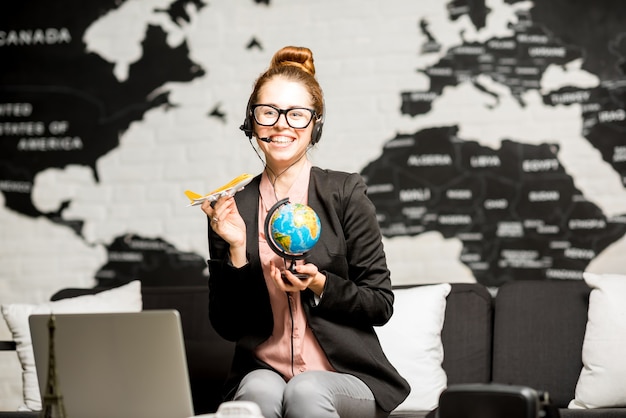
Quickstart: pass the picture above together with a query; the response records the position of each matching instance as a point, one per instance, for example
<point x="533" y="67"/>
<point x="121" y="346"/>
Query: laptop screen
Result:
<point x="123" y="365"/>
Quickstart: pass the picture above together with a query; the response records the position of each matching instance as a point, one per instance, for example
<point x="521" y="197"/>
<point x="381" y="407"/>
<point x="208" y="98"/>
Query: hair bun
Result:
<point x="295" y="56"/>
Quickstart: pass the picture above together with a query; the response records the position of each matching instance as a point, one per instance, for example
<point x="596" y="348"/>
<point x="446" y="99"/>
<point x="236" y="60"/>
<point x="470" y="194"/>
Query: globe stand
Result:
<point x="292" y="269"/>
<point x="291" y="266"/>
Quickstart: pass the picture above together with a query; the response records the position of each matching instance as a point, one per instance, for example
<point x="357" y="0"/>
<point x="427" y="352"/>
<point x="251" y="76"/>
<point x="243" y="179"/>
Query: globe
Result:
<point x="292" y="229"/>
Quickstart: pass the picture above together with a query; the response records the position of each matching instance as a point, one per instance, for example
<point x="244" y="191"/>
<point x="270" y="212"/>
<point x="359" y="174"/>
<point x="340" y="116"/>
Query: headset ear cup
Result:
<point x="316" y="134"/>
<point x="247" y="126"/>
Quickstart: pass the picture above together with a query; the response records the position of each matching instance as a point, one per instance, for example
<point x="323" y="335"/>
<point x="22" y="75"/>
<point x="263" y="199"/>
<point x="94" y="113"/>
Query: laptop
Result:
<point x="117" y="365"/>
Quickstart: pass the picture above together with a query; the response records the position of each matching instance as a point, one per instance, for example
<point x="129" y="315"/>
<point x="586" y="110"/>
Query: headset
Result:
<point x="248" y="125"/>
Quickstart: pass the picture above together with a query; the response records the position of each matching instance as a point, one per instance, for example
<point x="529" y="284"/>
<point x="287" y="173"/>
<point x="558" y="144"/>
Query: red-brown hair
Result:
<point x="294" y="63"/>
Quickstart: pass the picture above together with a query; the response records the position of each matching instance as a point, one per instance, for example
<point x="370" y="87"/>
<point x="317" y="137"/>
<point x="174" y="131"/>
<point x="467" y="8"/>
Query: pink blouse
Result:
<point x="292" y="348"/>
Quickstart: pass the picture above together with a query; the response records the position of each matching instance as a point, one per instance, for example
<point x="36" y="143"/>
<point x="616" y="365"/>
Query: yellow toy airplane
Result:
<point x="229" y="189"/>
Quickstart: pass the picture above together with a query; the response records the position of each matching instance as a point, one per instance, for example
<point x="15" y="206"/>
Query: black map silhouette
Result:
<point x="515" y="209"/>
<point x="62" y="105"/>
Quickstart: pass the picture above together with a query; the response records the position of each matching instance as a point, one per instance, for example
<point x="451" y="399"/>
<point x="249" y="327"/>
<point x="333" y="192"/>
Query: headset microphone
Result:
<point x="246" y="127"/>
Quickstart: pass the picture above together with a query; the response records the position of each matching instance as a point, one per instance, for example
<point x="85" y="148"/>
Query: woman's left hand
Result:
<point x="286" y="281"/>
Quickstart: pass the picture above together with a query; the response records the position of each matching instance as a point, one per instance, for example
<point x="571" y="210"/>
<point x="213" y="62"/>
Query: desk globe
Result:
<point x="291" y="231"/>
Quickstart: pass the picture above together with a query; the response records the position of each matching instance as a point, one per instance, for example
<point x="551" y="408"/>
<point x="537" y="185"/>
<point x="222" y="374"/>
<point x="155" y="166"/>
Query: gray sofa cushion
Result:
<point x="539" y="328"/>
<point x="466" y="334"/>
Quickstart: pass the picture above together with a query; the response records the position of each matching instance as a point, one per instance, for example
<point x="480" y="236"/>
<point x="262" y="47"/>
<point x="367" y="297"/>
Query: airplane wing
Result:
<point x="229" y="189"/>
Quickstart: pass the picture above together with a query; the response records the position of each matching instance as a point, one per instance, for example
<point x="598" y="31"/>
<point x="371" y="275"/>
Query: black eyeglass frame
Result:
<point x="282" y="112"/>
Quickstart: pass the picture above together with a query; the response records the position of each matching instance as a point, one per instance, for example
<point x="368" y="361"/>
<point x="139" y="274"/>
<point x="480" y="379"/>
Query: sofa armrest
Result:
<point x="593" y="413"/>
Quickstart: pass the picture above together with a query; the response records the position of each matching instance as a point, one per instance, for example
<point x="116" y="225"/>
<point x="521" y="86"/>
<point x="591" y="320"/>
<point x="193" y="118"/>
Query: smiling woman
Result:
<point x="310" y="348"/>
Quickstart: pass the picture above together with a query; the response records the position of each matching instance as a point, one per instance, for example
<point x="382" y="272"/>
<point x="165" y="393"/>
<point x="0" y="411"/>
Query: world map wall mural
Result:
<point x="515" y="208"/>
<point x="496" y="128"/>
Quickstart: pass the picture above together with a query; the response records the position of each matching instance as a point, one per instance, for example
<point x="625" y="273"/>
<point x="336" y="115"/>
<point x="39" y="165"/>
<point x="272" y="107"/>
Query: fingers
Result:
<point x="217" y="210"/>
<point x="208" y="208"/>
<point x="310" y="270"/>
<point x="280" y="278"/>
<point x="287" y="281"/>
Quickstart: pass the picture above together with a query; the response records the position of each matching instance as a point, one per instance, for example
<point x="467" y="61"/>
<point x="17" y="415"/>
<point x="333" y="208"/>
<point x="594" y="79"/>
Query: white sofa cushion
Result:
<point x="412" y="342"/>
<point x="602" y="381"/>
<point x="126" y="298"/>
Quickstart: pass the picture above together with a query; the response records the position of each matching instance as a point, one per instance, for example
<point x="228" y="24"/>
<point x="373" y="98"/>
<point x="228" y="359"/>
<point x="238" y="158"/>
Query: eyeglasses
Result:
<point x="268" y="115"/>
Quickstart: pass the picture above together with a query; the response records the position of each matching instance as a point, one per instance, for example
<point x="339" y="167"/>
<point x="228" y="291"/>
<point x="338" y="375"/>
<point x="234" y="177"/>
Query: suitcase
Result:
<point x="494" y="400"/>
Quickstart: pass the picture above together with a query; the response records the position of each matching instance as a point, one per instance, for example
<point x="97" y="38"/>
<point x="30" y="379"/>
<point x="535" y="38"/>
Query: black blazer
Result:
<point x="357" y="295"/>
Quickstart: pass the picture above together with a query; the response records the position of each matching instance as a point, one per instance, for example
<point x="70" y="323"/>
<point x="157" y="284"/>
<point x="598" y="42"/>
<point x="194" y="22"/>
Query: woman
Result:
<point x="306" y="347"/>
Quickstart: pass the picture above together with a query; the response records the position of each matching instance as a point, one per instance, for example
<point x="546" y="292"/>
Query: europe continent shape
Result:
<point x="294" y="228"/>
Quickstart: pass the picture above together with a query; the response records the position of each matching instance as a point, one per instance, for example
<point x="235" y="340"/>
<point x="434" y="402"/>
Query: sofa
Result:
<point x="530" y="333"/>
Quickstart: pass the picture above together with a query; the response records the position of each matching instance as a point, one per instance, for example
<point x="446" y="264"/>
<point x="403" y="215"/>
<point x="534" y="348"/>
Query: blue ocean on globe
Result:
<point x="295" y="228"/>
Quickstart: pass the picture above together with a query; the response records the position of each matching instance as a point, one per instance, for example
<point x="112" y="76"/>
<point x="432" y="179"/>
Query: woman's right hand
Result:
<point x="226" y="221"/>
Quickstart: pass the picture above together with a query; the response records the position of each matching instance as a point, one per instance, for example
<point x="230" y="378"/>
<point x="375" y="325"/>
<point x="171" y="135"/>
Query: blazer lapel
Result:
<point x="248" y="205"/>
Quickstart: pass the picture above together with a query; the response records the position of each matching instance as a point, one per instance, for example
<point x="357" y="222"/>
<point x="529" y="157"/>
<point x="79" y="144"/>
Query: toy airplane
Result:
<point x="229" y="189"/>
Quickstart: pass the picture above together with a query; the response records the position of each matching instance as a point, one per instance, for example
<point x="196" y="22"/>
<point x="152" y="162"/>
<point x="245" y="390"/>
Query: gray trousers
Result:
<point x="313" y="394"/>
